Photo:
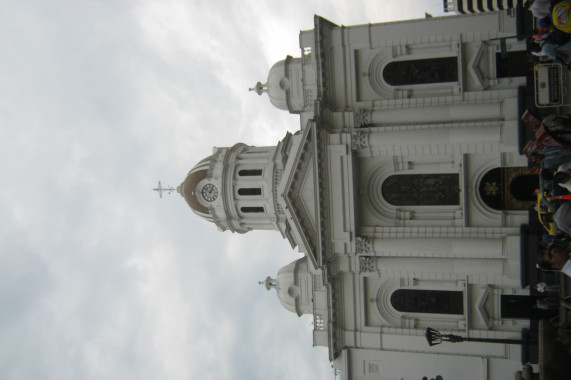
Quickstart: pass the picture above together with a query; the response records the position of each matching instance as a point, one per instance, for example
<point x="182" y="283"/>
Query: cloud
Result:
<point x="100" y="278"/>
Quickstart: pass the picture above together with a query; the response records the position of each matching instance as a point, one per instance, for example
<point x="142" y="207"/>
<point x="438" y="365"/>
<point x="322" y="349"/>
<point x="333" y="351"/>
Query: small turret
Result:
<point x="293" y="287"/>
<point x="284" y="85"/>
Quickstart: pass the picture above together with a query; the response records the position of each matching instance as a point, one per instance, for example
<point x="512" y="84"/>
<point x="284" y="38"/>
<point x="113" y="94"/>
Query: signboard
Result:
<point x="503" y="48"/>
<point x="549" y="89"/>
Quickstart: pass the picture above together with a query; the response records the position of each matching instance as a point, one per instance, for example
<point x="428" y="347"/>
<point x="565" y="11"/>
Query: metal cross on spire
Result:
<point x="160" y="189"/>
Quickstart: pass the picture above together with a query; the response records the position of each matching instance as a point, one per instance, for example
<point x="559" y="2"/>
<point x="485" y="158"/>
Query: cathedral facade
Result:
<point x="401" y="189"/>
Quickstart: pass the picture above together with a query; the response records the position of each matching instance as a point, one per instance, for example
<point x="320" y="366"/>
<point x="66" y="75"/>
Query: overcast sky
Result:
<point x="99" y="278"/>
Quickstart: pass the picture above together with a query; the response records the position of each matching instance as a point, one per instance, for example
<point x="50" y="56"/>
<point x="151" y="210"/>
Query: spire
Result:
<point x="260" y="88"/>
<point x="160" y="189"/>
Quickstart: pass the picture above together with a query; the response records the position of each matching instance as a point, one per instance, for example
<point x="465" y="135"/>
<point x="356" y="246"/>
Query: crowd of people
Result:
<point x="550" y="151"/>
<point x="554" y="163"/>
<point x="551" y="148"/>
<point x="552" y="40"/>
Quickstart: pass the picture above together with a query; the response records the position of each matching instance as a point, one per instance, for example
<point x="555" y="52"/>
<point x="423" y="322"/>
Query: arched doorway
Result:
<point x="509" y="188"/>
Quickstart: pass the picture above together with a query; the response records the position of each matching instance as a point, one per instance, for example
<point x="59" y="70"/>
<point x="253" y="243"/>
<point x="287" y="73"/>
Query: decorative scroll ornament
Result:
<point x="359" y="140"/>
<point x="367" y="264"/>
<point x="363" y="245"/>
<point x="362" y="118"/>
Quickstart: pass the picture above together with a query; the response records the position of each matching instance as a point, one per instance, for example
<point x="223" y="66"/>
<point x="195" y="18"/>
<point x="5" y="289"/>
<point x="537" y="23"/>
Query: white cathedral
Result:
<point x="400" y="189"/>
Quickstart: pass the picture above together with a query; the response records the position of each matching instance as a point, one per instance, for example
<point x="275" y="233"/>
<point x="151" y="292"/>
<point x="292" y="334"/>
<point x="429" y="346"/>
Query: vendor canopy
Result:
<point x="478" y="6"/>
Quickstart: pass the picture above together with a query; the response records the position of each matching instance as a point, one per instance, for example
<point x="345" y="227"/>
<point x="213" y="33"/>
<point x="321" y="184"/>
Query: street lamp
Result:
<point x="434" y="337"/>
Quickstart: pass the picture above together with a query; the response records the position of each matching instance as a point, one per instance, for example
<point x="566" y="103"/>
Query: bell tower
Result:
<point x="236" y="188"/>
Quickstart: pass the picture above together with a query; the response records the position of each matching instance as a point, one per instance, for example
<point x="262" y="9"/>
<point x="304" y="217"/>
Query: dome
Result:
<point x="284" y="85"/>
<point x="187" y="189"/>
<point x="277" y="85"/>
<point x="289" y="287"/>
<point x="287" y="290"/>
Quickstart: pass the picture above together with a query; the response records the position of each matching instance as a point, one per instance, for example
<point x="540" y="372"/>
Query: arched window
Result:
<point x="422" y="189"/>
<point x="421" y="71"/>
<point x="250" y="191"/>
<point x="251" y="209"/>
<point x="428" y="301"/>
<point x="250" y="172"/>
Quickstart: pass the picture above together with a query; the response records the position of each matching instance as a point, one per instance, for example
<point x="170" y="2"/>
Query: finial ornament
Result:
<point x="160" y="189"/>
<point x="259" y="88"/>
<point x="269" y="283"/>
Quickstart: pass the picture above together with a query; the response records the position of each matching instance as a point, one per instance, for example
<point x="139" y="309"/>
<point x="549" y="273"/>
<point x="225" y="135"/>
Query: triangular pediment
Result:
<point x="301" y="194"/>
<point x="478" y="65"/>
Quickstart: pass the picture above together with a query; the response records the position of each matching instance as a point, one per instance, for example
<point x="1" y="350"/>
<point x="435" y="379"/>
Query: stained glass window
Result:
<point x="422" y="189"/>
<point x="421" y="71"/>
<point x="428" y="301"/>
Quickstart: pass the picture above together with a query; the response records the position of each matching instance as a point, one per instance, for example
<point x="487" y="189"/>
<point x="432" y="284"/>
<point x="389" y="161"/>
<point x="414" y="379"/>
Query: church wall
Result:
<point x="356" y="57"/>
<point x="469" y="150"/>
<point x="376" y="364"/>
<point x="479" y="271"/>
<point x="467" y="247"/>
<point x="341" y="193"/>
